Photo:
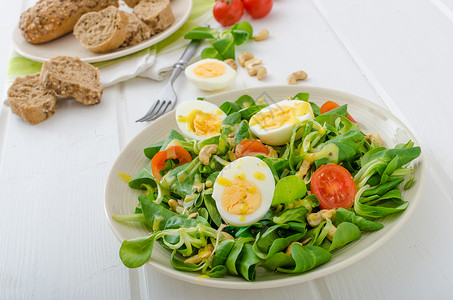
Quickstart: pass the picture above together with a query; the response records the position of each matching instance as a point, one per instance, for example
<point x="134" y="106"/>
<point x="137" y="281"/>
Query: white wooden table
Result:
<point x="56" y="242"/>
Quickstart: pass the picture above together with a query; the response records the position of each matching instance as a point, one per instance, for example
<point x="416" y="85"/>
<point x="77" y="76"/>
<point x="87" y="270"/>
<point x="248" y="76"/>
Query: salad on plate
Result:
<point x="248" y="185"/>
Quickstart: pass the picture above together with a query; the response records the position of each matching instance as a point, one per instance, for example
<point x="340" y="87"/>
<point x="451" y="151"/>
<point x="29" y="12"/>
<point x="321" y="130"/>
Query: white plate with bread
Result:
<point x="67" y="44"/>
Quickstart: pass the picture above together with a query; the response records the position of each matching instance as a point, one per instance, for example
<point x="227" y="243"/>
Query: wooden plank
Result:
<point x="161" y="286"/>
<point x="57" y="242"/>
<point x="414" y="264"/>
<point x="10" y="18"/>
<point x="445" y="6"/>
<point x="407" y="58"/>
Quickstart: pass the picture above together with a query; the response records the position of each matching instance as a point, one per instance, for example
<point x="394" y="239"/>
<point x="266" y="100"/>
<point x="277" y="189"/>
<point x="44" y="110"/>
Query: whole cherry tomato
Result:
<point x="258" y="8"/>
<point x="228" y="12"/>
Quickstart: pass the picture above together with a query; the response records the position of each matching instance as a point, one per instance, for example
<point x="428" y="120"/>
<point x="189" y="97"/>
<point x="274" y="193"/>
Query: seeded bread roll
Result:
<point x="69" y="76"/>
<point x="50" y="19"/>
<point x="137" y="31"/>
<point x="102" y="31"/>
<point x="157" y="14"/>
<point x="131" y="3"/>
<point x="30" y="100"/>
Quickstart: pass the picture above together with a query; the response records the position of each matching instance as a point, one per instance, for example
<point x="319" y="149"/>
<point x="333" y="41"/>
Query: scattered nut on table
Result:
<point x="244" y="56"/>
<point x="262" y="35"/>
<point x="259" y="71"/>
<point x="248" y="61"/>
<point x="231" y="62"/>
<point x="295" y="76"/>
<point x="252" y="62"/>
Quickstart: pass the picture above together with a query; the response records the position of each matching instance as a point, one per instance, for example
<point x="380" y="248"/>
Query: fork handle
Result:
<point x="185" y="57"/>
<point x="187" y="54"/>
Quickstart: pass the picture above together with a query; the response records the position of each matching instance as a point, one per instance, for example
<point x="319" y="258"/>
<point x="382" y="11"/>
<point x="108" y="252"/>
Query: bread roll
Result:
<point x="131" y="3"/>
<point x="157" y="14"/>
<point x="69" y="76"/>
<point x="50" y="19"/>
<point x="30" y="100"/>
<point x="102" y="31"/>
<point x="137" y="31"/>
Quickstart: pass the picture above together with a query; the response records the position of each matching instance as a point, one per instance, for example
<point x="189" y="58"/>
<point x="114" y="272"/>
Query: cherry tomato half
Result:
<point x="258" y="8"/>
<point x="228" y="12"/>
<point x="334" y="187"/>
<point x="172" y="152"/>
<point x="329" y="105"/>
<point x="251" y="147"/>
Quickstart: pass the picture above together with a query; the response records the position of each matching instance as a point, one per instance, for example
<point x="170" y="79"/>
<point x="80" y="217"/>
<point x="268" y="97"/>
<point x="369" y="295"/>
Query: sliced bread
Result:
<point x="102" y="31"/>
<point x="131" y="3"/>
<point x="50" y="19"/>
<point x="137" y="31"/>
<point x="157" y="14"/>
<point x="69" y="76"/>
<point x="30" y="100"/>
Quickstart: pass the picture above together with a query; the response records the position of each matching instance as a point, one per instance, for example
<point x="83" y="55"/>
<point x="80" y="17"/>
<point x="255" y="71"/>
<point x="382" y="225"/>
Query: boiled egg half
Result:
<point x="199" y="120"/>
<point x="243" y="191"/>
<point x="210" y="74"/>
<point x="274" y="124"/>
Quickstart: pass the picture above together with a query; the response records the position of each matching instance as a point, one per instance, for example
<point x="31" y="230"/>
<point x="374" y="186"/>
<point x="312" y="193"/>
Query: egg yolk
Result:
<point x="241" y="197"/>
<point x="209" y="70"/>
<point x="201" y="123"/>
<point x="280" y="115"/>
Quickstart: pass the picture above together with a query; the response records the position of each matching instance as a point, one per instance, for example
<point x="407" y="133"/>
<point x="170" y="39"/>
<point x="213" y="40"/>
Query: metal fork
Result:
<point x="167" y="97"/>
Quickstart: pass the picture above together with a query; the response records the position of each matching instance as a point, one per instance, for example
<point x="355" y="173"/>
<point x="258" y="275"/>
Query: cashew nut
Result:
<point x="327" y="213"/>
<point x="288" y="250"/>
<point x="231" y="63"/>
<point x="262" y="35"/>
<point x="192" y="215"/>
<point x="252" y="62"/>
<point x="304" y="242"/>
<point x="314" y="219"/>
<point x="244" y="56"/>
<point x="198" y="187"/>
<point x="293" y="77"/>
<point x="374" y="137"/>
<point x="260" y="72"/>
<point x="248" y="61"/>
<point x="331" y="232"/>
<point x="206" y="152"/>
<point x="203" y="253"/>
<point x="175" y="206"/>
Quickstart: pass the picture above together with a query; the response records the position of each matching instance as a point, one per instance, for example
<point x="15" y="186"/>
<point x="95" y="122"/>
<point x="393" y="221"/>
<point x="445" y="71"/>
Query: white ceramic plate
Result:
<point x="68" y="45"/>
<point x="120" y="199"/>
